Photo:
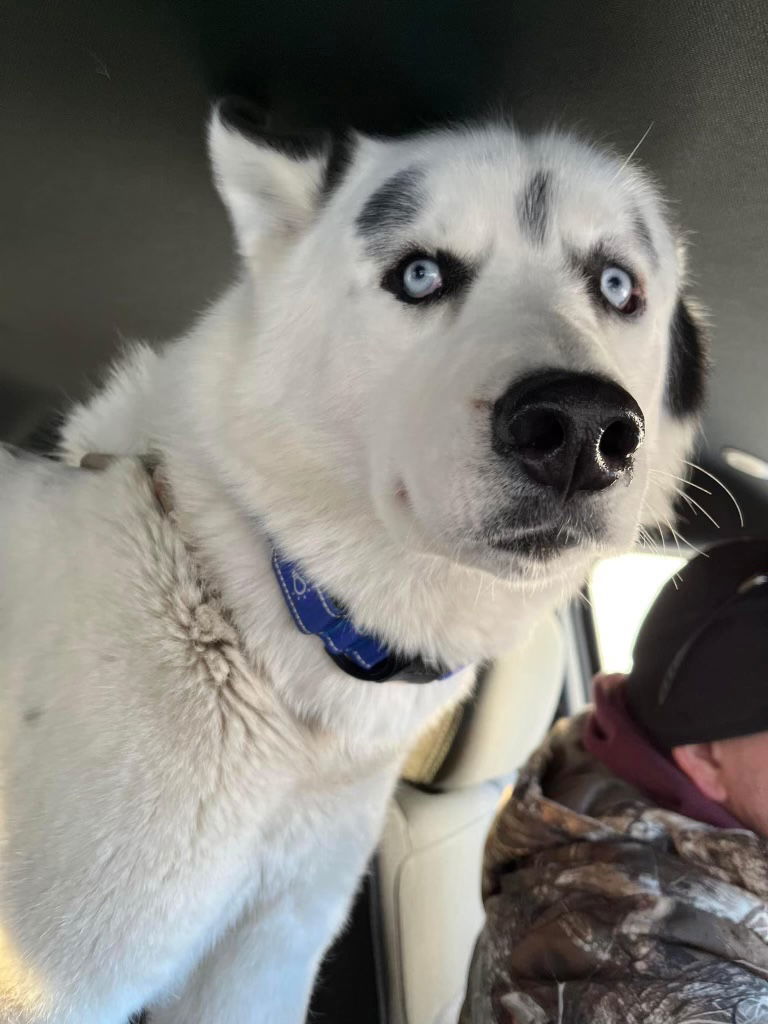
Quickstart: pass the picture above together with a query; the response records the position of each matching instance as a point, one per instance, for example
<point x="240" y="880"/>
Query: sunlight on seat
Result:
<point x="621" y="590"/>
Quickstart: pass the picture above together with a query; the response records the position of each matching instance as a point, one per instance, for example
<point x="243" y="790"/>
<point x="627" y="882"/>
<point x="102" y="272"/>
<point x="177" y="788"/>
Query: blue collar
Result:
<point x="361" y="655"/>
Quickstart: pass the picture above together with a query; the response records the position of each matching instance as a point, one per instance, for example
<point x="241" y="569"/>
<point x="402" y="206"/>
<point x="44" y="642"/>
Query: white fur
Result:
<point x="190" y="790"/>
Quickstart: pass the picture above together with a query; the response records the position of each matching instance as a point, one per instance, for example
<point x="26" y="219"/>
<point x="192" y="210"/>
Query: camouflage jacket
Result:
<point x="603" y="908"/>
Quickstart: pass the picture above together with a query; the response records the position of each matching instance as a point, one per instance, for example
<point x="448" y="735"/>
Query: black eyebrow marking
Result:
<point x="340" y="157"/>
<point x="395" y="204"/>
<point x="533" y="208"/>
<point x="644" y="236"/>
<point x="588" y="263"/>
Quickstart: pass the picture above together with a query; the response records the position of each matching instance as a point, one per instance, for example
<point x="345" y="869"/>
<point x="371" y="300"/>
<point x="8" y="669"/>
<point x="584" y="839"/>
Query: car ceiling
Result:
<point x="111" y="229"/>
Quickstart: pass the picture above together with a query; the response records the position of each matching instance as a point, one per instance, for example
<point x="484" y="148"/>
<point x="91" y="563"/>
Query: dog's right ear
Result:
<point x="270" y="181"/>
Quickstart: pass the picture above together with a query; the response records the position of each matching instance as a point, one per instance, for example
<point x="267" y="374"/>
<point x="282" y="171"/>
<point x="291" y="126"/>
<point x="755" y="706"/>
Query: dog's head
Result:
<point x="476" y="338"/>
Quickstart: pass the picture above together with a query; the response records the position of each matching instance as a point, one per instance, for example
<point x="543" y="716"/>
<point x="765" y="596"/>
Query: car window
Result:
<point x="620" y="592"/>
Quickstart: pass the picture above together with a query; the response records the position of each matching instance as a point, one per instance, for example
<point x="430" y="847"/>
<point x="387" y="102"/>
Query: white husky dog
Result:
<point x="455" y="369"/>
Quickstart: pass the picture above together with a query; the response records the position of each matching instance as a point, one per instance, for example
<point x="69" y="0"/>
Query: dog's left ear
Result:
<point x="271" y="181"/>
<point x="688" y="366"/>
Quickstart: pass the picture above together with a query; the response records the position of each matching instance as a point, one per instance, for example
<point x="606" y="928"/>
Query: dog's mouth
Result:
<point x="537" y="544"/>
<point x="526" y="533"/>
<point x="545" y="541"/>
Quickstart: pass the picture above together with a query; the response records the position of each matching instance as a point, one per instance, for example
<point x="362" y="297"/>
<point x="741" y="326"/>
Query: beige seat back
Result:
<point x="431" y="850"/>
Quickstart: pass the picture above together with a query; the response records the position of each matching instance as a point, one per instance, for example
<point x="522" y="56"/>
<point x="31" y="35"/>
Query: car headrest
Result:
<point x="493" y="734"/>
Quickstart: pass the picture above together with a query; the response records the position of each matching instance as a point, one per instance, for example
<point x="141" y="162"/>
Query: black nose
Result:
<point x="570" y="431"/>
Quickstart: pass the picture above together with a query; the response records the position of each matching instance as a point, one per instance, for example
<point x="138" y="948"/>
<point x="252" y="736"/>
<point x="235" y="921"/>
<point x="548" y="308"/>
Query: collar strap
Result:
<point x="358" y="654"/>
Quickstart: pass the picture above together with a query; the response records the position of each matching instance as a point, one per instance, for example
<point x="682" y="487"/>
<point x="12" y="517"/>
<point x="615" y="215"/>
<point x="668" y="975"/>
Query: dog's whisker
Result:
<point x="650" y="543"/>
<point x="631" y="156"/>
<point x="661" y="535"/>
<point x="675" y="536"/>
<point x="720" y="483"/>
<point x="687" y="542"/>
<point x="681" y="479"/>
<point x="688" y="503"/>
<point x="693" y="504"/>
<point x="695" y="507"/>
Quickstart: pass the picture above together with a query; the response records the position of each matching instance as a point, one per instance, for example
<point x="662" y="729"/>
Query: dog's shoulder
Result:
<point x="103" y="565"/>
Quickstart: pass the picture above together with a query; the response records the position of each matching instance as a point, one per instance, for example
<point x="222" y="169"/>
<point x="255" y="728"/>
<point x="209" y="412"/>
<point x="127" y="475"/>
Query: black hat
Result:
<point x="701" y="657"/>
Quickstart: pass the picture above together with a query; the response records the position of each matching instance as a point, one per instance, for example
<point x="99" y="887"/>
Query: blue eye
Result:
<point x="618" y="288"/>
<point x="422" y="277"/>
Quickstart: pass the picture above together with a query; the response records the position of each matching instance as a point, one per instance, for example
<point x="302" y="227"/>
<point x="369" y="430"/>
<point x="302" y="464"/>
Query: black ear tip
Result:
<point x="246" y="116"/>
<point x="258" y="123"/>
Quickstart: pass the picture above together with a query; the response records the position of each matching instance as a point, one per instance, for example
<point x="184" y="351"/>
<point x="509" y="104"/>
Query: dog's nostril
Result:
<point x="538" y="432"/>
<point x="619" y="441"/>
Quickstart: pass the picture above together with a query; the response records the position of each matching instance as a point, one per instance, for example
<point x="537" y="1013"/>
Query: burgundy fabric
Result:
<point x="610" y="735"/>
